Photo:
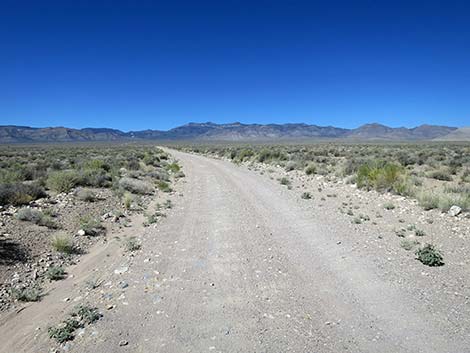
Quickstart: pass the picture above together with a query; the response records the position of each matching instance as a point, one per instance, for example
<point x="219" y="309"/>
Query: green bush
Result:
<point x="441" y="174"/>
<point x="284" y="181"/>
<point x="132" y="244"/>
<point x="430" y="256"/>
<point x="81" y="315"/>
<point x="26" y="294"/>
<point x="11" y="176"/>
<point x="96" y="164"/>
<point x="174" y="167"/>
<point x="29" y="214"/>
<point x="311" y="169"/>
<point x="63" y="181"/>
<point x="94" y="177"/>
<point x="136" y="186"/>
<point x="269" y="154"/>
<point x="86" y="314"/>
<point x="85" y="195"/>
<point x="419" y="233"/>
<point x="428" y="201"/>
<point x="127" y="200"/>
<point x="163" y="186"/>
<point x="35" y="216"/>
<point x="20" y="194"/>
<point x="245" y="154"/>
<point x="446" y="201"/>
<point x="379" y="175"/>
<point x="55" y="273"/>
<point x="408" y="244"/>
<point x="65" y="331"/>
<point x="293" y="165"/>
<point x="62" y="243"/>
<point x="90" y="225"/>
<point x="442" y="201"/>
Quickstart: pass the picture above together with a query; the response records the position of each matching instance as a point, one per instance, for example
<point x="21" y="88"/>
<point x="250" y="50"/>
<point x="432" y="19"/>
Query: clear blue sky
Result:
<point x="157" y="64"/>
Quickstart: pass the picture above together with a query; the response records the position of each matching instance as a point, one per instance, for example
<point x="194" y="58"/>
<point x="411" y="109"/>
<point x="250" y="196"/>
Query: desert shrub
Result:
<point x="90" y="225"/>
<point x="466" y="176"/>
<point x="264" y="155"/>
<point x="96" y="164"/>
<point x="405" y="158"/>
<point x="284" y="181"/>
<point x="30" y="294"/>
<point x="430" y="256"/>
<point x="62" y="243"/>
<point x="136" y="186"/>
<point x="293" y="165"/>
<point x="180" y="174"/>
<point x="458" y="189"/>
<point x="152" y="218"/>
<point x="379" y="175"/>
<point x="151" y="159"/>
<point x="310" y="169"/>
<point x="63" y="181"/>
<point x="244" y="154"/>
<point x="352" y="165"/>
<point x="408" y="244"/>
<point x="85" y="195"/>
<point x="446" y="201"/>
<point x="405" y="186"/>
<point x="428" y="201"/>
<point x="161" y="175"/>
<point x="133" y="164"/>
<point x="441" y="174"/>
<point x="94" y="177"/>
<point x="55" y="273"/>
<point x="65" y="331"/>
<point x="419" y="233"/>
<point x="80" y="316"/>
<point x="306" y="195"/>
<point x="86" y="314"/>
<point x="127" y="200"/>
<point x="35" y="216"/>
<point x="232" y="153"/>
<point x="163" y="186"/>
<point x="357" y="220"/>
<point x="11" y="176"/>
<point x="132" y="244"/>
<point x="20" y="194"/>
<point x="269" y="154"/>
<point x="173" y="167"/>
<point x="443" y="201"/>
<point x="29" y="214"/>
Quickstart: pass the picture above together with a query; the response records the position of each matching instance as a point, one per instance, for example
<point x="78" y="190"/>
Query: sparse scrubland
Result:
<point x="437" y="175"/>
<point x="432" y="176"/>
<point x="56" y="201"/>
<point x="308" y="232"/>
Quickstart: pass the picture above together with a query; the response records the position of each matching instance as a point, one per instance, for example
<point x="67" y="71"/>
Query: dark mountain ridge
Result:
<point x="228" y="132"/>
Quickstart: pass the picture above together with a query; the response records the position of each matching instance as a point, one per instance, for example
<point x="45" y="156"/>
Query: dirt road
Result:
<point x="243" y="265"/>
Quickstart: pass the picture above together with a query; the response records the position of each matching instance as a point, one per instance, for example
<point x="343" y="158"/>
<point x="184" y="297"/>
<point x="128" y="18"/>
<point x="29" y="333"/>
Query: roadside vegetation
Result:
<point x="437" y="175"/>
<point x="81" y="316"/>
<point x="57" y="200"/>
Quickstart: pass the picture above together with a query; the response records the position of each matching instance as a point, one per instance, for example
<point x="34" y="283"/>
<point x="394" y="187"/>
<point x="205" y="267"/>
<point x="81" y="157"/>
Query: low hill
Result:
<point x="461" y="134"/>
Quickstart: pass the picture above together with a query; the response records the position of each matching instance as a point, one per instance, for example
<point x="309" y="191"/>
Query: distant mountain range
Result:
<point x="236" y="132"/>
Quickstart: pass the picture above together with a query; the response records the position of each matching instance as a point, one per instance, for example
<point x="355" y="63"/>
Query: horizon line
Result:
<point x="231" y="123"/>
